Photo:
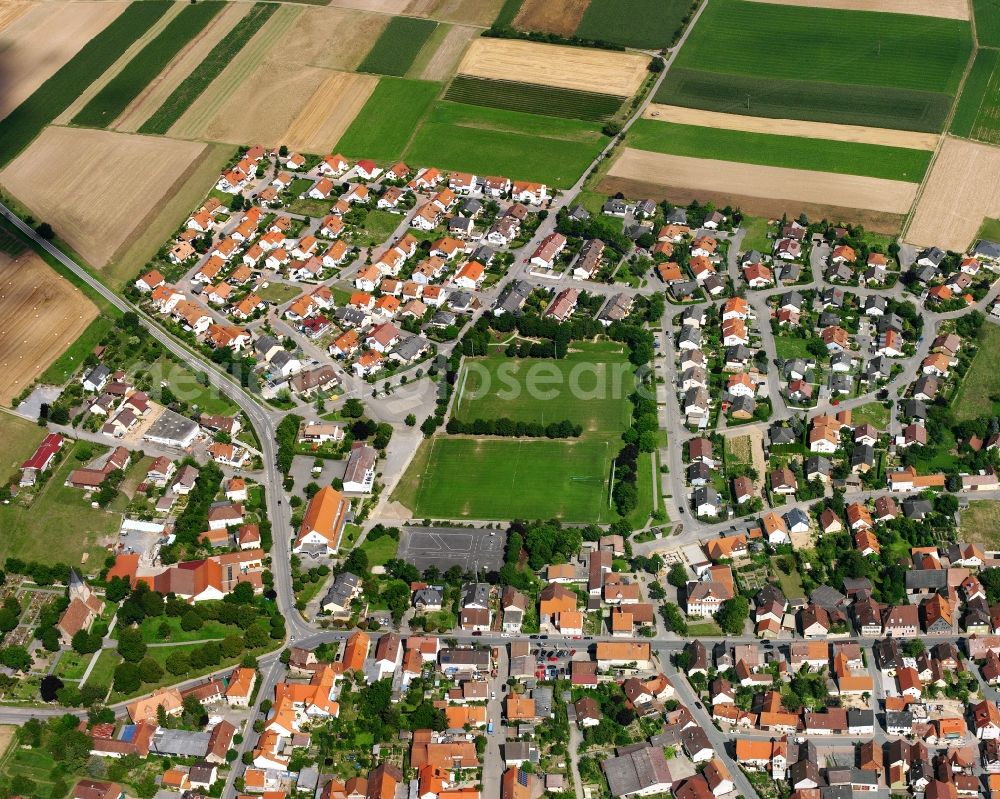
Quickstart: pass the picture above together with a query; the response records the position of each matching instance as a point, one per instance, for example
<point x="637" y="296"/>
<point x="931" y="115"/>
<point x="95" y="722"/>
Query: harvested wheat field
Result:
<point x="334" y="38"/>
<point x="441" y="65"/>
<point x="948" y="9"/>
<point x="848" y="191"/>
<point x="462" y="12"/>
<point x="97" y="188"/>
<point x="792" y="127"/>
<point x="41" y="38"/>
<point x="41" y="314"/>
<point x="12" y="10"/>
<point x="180" y="67"/>
<point x="962" y="188"/>
<point x="588" y="70"/>
<point x="381" y="6"/>
<point x="551" y="16"/>
<point x="329" y="112"/>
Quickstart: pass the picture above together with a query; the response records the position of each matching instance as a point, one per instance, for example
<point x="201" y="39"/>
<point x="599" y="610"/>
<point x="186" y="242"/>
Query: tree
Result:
<point x="677" y="576"/>
<point x="45" y="231"/>
<point x="85" y="643"/>
<point x="410" y="420"/>
<point x="127" y="678"/>
<point x="733" y="615"/>
<point x="49" y="688"/>
<point x="131" y="646"/>
<point x="150" y="670"/>
<point x="178" y="663"/>
<point x="352" y="409"/>
<point x="117" y="590"/>
<point x="16" y="657"/>
<point x="191" y="621"/>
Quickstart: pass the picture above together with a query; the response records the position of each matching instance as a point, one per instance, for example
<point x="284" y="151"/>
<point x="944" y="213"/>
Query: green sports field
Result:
<point x="492" y="141"/>
<point x="123" y="88"/>
<point x="589" y="387"/>
<point x="858" y="67"/>
<point x="397" y="46"/>
<point x="649" y="24"/>
<point x="375" y="133"/>
<point x="793" y="152"/>
<point x="456" y="478"/>
<point x="533" y="98"/>
<point x="978" y="113"/>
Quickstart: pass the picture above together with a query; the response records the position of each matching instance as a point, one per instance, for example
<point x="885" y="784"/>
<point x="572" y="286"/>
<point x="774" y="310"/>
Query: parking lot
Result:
<point x="445" y="547"/>
<point x="551" y="662"/>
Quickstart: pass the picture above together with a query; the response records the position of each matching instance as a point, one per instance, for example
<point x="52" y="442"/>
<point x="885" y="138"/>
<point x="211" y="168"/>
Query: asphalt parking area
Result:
<point x="445" y="547"/>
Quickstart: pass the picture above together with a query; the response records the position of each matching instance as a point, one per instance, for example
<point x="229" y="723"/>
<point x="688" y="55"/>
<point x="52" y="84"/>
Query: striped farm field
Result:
<point x="792" y="152"/>
<point x="978" y="113"/>
<point x="533" y="98"/>
<point x="649" y="24"/>
<point x="124" y="87"/>
<point x="395" y="50"/>
<point x="853" y="67"/>
<point x="383" y="136"/>
<point x="50" y="99"/>
<point x="987" y="22"/>
<point x="208" y="70"/>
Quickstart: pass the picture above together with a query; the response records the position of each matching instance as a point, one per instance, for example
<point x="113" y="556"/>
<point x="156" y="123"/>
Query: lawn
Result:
<point x="65" y="366"/>
<point x="873" y="413"/>
<point x="792" y="152"/>
<point x="978" y="112"/>
<point x="858" y="67"/>
<point x="645" y="487"/>
<point x="789" y="347"/>
<point x="492" y="141"/>
<point x="374" y="133"/>
<point x="37" y="766"/>
<point x="105" y="106"/>
<point x="103" y="672"/>
<point x="467" y="478"/>
<point x="979" y="393"/>
<point x="150" y="629"/>
<point x="755" y="237"/>
<point x="20" y="437"/>
<point x="50" y="99"/>
<point x="790" y="584"/>
<point x="185" y="386"/>
<point x="397" y="46"/>
<point x="60" y="522"/>
<point x="160" y="655"/>
<point x="278" y="293"/>
<point x="987" y="22"/>
<point x="381" y="551"/>
<point x="201" y="76"/>
<point x="589" y="387"/>
<point x="704" y="628"/>
<point x="980" y="523"/>
<point x="71" y="665"/>
<point x="533" y="98"/>
<point x="648" y="24"/>
<point x="990" y="229"/>
<point x="378" y="226"/>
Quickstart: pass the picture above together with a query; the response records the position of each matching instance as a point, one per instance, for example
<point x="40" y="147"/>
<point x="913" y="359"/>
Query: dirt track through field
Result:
<point x="850" y="191"/>
<point x="949" y="9"/>
<point x="328" y="112"/>
<point x="792" y="127"/>
<point x="551" y="16"/>
<point x="177" y="71"/>
<point x="37" y="39"/>
<point x="963" y="186"/>
<point x="441" y="65"/>
<point x="588" y="70"/>
<point x="41" y="314"/>
<point x="96" y="211"/>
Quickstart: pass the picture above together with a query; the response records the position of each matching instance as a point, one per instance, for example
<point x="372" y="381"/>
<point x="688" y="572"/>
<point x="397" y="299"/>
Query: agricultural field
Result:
<point x="978" y="113"/>
<point x="865" y="68"/>
<point x="579" y="68"/>
<point x="383" y="136"/>
<point x="207" y="68"/>
<point x="442" y="52"/>
<point x="793" y="152"/>
<point x="493" y="141"/>
<point x="990" y="229"/>
<point x="647" y="24"/>
<point x="41" y="39"/>
<point x="456" y="478"/>
<point x="397" y="47"/>
<point x="980" y="388"/>
<point x="135" y="76"/>
<point x="98" y="211"/>
<point x="561" y="17"/>
<point x="530" y="97"/>
<point x="52" y="97"/>
<point x="594" y="383"/>
<point x="980" y="523"/>
<point x="949" y="9"/>
<point x="987" y="22"/>
<point x="41" y="314"/>
<point x="962" y="188"/>
<point x="328" y="113"/>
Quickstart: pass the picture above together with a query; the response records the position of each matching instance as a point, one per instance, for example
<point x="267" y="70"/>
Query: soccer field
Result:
<point x="589" y="387"/>
<point x="467" y="478"/>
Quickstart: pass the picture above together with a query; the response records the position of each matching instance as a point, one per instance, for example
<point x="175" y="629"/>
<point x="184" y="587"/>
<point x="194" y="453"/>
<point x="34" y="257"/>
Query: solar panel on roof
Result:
<point x="522" y="777"/>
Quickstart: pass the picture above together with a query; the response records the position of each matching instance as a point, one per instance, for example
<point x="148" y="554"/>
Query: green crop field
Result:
<point x="105" y="106"/>
<point x="857" y="67"/>
<point x="394" y="51"/>
<point x="490" y="141"/>
<point x="793" y="152"/>
<point x="987" y="22"/>
<point x="455" y="478"/>
<point x="531" y="97"/>
<point x="50" y="99"/>
<point x="507" y="12"/>
<point x="208" y="70"/>
<point x="978" y="113"/>
<point x="650" y="24"/>
<point x="374" y="133"/>
<point x="982" y="382"/>
<point x="590" y="387"/>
